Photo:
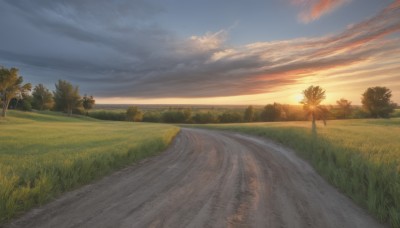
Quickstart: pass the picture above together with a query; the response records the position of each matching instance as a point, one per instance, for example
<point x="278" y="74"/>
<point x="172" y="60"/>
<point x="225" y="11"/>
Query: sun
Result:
<point x="298" y="97"/>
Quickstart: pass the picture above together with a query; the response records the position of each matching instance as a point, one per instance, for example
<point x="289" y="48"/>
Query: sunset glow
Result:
<point x="170" y="53"/>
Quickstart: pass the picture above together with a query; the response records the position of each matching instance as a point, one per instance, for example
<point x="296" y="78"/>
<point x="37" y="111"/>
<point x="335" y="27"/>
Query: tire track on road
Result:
<point x="206" y="179"/>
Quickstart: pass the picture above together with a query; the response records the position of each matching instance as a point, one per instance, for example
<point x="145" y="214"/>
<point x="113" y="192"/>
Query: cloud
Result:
<point x="314" y="9"/>
<point x="209" y="41"/>
<point x="119" y="51"/>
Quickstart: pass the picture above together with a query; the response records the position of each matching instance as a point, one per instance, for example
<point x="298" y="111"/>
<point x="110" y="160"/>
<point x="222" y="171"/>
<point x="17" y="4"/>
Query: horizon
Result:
<point x="211" y="53"/>
<point x="214" y="105"/>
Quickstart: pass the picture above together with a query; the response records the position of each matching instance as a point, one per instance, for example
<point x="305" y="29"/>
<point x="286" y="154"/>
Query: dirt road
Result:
<point x="207" y="179"/>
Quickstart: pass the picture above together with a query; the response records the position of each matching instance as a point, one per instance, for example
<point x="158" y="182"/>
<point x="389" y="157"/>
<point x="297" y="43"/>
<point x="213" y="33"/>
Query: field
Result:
<point x="360" y="157"/>
<point x="45" y="154"/>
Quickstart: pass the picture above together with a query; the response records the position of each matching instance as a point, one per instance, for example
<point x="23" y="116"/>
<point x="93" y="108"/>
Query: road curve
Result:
<point x="206" y="179"/>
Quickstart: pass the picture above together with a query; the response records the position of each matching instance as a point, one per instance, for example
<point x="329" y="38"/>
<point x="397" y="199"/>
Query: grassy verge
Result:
<point x="360" y="157"/>
<point x="45" y="154"/>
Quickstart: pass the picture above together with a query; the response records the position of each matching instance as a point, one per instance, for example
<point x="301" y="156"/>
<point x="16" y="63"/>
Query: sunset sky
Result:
<point x="205" y="52"/>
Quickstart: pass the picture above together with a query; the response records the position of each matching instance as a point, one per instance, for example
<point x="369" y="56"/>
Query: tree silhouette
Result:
<point x="11" y="87"/>
<point x="344" y="107"/>
<point x="377" y="101"/>
<point x="272" y="112"/>
<point x="88" y="103"/>
<point x="249" y="114"/>
<point x="313" y="96"/>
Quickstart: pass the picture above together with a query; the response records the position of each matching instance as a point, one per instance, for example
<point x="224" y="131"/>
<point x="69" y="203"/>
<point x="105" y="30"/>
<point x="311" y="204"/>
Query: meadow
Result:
<point x="360" y="157"/>
<point x="43" y="154"/>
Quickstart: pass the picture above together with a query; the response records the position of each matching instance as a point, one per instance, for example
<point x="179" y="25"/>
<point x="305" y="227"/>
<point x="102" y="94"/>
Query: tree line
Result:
<point x="66" y="98"/>
<point x="376" y="103"/>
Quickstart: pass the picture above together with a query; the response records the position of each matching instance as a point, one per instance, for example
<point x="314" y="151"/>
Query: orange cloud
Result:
<point x="395" y="4"/>
<point x="314" y="9"/>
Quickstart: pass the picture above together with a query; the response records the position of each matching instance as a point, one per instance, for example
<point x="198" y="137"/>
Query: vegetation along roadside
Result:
<point x="43" y="154"/>
<point x="360" y="157"/>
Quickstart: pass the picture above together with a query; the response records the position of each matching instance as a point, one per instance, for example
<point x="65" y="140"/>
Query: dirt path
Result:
<point x="207" y="179"/>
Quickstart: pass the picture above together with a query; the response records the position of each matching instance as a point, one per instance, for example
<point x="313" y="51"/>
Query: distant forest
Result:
<point x="202" y="114"/>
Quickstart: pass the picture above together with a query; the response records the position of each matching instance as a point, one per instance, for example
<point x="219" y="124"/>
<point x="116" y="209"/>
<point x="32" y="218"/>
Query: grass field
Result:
<point x="360" y="157"/>
<point x="44" y="154"/>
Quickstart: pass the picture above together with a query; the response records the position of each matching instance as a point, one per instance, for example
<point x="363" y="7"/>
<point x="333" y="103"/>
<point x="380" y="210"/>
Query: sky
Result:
<point x="205" y="52"/>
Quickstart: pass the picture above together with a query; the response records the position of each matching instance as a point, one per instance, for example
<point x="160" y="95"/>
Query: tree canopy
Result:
<point x="88" y="102"/>
<point x="377" y="101"/>
<point x="11" y="87"/>
<point x="134" y="114"/>
<point x="66" y="97"/>
<point x="344" y="108"/>
<point x="272" y="112"/>
<point x="42" y="98"/>
<point x="313" y="96"/>
<point x="249" y="114"/>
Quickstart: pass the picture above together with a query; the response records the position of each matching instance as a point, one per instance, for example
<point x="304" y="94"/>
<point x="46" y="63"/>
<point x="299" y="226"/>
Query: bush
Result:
<point x="152" y="116"/>
<point x="78" y="111"/>
<point x="173" y="117"/>
<point x="108" y="115"/>
<point x="26" y="106"/>
<point x="134" y="114"/>
<point x="203" y="118"/>
<point x="230" y="117"/>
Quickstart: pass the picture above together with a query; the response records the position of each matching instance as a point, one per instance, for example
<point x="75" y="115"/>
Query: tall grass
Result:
<point x="43" y="155"/>
<point x="360" y="157"/>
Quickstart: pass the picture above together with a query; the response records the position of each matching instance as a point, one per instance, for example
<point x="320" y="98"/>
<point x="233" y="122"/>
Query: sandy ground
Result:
<point x="207" y="179"/>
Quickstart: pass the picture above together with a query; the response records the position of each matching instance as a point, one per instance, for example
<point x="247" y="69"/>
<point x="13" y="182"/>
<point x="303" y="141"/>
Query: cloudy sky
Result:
<point x="204" y="52"/>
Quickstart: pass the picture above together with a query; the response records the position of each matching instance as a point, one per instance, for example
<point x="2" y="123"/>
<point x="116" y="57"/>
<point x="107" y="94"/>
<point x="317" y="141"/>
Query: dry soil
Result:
<point x="207" y="179"/>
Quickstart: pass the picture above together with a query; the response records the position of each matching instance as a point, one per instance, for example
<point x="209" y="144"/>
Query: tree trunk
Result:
<point x="41" y="102"/>
<point x="314" y="126"/>
<point x="69" y="110"/>
<point x="3" y="113"/>
<point x="5" y="106"/>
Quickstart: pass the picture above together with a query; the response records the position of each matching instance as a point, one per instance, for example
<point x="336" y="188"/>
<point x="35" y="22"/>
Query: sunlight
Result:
<point x="298" y="97"/>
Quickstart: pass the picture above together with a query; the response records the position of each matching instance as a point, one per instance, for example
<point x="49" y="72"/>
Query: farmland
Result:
<point x="360" y="157"/>
<point x="43" y="154"/>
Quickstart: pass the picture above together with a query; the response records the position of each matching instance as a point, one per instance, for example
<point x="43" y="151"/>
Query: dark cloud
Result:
<point x="119" y="50"/>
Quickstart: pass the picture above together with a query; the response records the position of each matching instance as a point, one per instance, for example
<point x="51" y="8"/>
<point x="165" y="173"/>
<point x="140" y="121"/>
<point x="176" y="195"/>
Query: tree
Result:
<point x="249" y="114"/>
<point x="23" y="102"/>
<point x="205" y="117"/>
<point x="377" y="101"/>
<point x="173" y="116"/>
<point x="11" y="87"/>
<point x="272" y="112"/>
<point x="152" y="116"/>
<point x="42" y="98"/>
<point x="230" y="117"/>
<point x="134" y="114"/>
<point x="88" y="103"/>
<point x="313" y="96"/>
<point x="66" y="97"/>
<point x="188" y="114"/>
<point x="344" y="108"/>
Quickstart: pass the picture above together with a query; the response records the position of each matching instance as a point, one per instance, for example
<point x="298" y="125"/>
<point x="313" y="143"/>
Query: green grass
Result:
<point x="396" y="113"/>
<point x="45" y="154"/>
<point x="360" y="157"/>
